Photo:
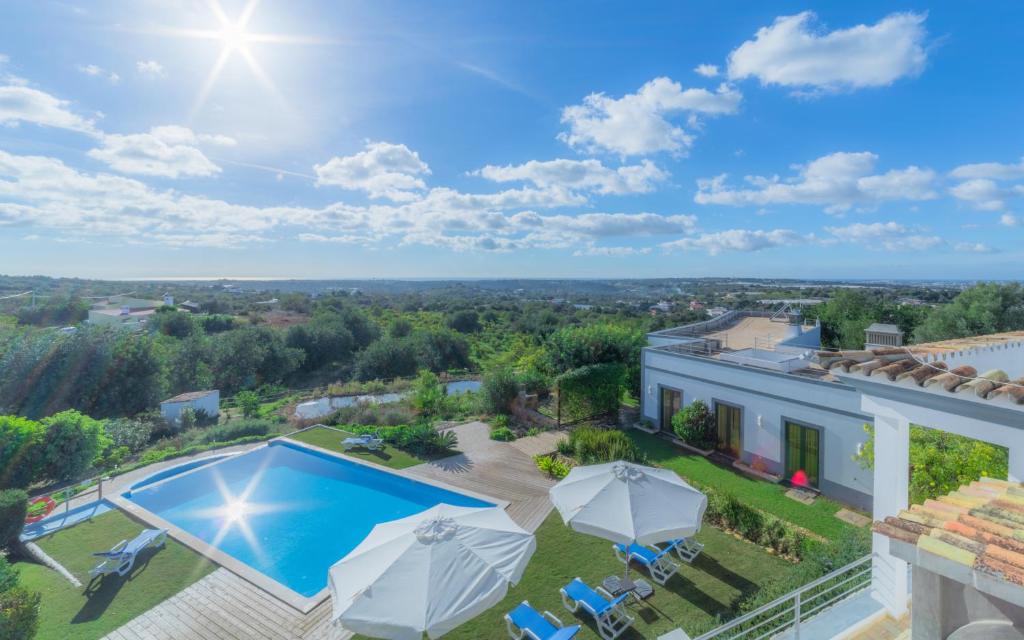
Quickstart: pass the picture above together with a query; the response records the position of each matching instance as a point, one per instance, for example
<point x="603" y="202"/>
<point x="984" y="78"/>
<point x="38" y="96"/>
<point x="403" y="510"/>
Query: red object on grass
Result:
<point x="799" y="478"/>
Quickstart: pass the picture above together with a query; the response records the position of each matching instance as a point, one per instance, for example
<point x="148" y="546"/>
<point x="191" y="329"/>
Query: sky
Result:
<point x="300" y="139"/>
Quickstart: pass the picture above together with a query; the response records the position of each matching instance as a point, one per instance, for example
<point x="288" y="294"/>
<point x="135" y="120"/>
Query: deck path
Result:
<point x="223" y="606"/>
<point x="497" y="469"/>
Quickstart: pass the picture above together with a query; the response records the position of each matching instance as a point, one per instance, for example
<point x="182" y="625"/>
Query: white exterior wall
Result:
<point x="767" y="398"/>
<point x="171" y="411"/>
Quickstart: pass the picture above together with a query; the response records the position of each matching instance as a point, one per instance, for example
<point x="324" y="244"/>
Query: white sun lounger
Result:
<point x="121" y="557"/>
<point x="366" y="441"/>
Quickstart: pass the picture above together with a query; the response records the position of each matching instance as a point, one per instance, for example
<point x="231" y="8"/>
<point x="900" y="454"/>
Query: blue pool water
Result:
<point x="287" y="511"/>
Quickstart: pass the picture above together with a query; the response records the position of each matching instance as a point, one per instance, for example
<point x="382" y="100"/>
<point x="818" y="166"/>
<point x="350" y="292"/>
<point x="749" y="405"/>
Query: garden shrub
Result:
<point x="726" y="511"/>
<point x="590" y="445"/>
<point x="552" y="466"/>
<point x="20" y="450"/>
<point x="503" y="434"/>
<point x="498" y="390"/>
<point x="248" y="402"/>
<point x="128" y="432"/>
<point x="428" y="394"/>
<point x="695" y="425"/>
<point x="72" y="442"/>
<point x="419" y="439"/>
<point x="590" y="391"/>
<point x="8" y="575"/>
<point x="235" y="430"/>
<point x="19" y="614"/>
<point x="13" y="507"/>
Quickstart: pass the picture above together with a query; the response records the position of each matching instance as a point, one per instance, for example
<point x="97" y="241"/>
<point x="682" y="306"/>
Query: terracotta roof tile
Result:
<point x="980" y="525"/>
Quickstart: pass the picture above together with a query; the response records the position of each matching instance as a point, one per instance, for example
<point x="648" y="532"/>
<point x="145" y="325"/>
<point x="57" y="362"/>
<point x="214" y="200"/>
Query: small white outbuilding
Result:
<point x="208" y="401"/>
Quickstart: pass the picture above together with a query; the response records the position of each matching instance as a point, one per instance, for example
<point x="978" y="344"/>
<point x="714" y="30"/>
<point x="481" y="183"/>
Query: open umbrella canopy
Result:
<point x="430" y="572"/>
<point x="626" y="502"/>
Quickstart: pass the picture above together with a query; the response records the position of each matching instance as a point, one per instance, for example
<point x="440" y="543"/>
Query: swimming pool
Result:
<point x="287" y="511"/>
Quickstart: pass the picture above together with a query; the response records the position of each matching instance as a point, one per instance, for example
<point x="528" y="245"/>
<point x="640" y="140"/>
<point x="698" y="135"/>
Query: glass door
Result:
<point x="671" y="402"/>
<point x="803" y="462"/>
<point x="730" y="428"/>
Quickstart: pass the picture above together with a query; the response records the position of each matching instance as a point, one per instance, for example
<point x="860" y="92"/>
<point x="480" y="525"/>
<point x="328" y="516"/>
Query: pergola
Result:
<point x="896" y="401"/>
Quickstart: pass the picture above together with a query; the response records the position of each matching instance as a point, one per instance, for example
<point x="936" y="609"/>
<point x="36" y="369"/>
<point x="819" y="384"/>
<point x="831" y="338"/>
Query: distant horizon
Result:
<point x="510" y="278"/>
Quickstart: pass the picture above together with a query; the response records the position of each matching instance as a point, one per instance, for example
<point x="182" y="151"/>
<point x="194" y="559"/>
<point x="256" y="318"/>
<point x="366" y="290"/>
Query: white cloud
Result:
<point x="637" y="123"/>
<point x="167" y="151"/>
<point x="973" y="247"/>
<point x="791" y="53"/>
<point x="745" y="240"/>
<point x="24" y="104"/>
<point x="612" y="252"/>
<point x="149" y="68"/>
<point x="890" y="236"/>
<point x="838" y="182"/>
<point x="990" y="170"/>
<point x="982" y="193"/>
<point x="382" y="170"/>
<point x="45" y="193"/>
<point x="99" y="72"/>
<point x="1009" y="220"/>
<point x="707" y="70"/>
<point x="582" y="175"/>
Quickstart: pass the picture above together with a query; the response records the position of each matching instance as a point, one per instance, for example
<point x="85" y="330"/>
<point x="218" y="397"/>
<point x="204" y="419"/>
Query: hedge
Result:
<point x="589" y="391"/>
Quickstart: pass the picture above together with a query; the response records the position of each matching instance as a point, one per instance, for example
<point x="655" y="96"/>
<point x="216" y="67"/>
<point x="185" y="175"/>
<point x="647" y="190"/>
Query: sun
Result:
<point x="235" y="38"/>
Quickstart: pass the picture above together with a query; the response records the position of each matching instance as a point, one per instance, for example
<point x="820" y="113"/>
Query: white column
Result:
<point x="1016" y="473"/>
<point x="891" y="489"/>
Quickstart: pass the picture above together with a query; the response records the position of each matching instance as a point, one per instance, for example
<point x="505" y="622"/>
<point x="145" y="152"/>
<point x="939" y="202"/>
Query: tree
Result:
<point x="427" y="394"/>
<point x="466" y="321"/>
<point x="979" y="310"/>
<point x="941" y="461"/>
<point x="171" y="322"/>
<point x="440" y="350"/>
<point x="498" y="390"/>
<point x="20" y="441"/>
<point x="386" y="359"/>
<point x="71" y="443"/>
<point x="400" y="328"/>
<point x="845" y="317"/>
<point x="249" y="403"/>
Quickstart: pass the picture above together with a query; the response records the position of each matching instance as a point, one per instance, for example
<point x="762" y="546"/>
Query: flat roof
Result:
<point x="190" y="395"/>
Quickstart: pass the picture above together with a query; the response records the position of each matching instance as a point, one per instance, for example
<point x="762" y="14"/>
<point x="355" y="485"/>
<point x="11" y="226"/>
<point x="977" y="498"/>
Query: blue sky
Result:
<point x="164" y="138"/>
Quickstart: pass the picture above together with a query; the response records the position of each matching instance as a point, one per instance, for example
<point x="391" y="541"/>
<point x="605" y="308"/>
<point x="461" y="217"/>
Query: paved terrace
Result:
<point x="224" y="606"/>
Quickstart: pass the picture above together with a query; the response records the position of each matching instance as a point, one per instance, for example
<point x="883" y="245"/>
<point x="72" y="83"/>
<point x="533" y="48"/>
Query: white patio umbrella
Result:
<point x="625" y="502"/>
<point x="429" y="573"/>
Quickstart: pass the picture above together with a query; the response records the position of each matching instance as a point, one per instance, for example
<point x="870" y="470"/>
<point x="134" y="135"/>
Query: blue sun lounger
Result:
<point x="657" y="562"/>
<point x="525" y="622"/>
<point x="121" y="557"/>
<point x="608" y="612"/>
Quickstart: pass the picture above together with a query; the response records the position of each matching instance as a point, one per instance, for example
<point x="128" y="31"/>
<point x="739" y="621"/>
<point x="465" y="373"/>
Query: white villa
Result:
<point x="778" y="412"/>
<point x="958" y="560"/>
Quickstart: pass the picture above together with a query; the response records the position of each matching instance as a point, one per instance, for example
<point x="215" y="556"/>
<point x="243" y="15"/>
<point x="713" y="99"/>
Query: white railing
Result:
<point x="792" y="610"/>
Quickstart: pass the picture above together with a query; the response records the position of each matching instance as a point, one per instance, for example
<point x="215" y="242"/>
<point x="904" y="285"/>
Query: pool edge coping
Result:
<point x="304" y="604"/>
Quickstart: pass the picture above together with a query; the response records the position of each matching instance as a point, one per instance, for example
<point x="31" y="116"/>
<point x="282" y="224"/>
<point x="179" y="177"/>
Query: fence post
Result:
<point x="558" y="403"/>
<point x="796" y="609"/>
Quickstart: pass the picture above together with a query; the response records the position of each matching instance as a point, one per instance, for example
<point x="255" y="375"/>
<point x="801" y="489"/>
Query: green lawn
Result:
<point x="66" y="612"/>
<point x="818" y="517"/>
<point x="728" y="569"/>
<point x="331" y="439"/>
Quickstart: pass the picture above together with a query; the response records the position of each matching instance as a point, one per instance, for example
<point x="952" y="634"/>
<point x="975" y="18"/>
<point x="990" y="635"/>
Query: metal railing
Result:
<point x="792" y="610"/>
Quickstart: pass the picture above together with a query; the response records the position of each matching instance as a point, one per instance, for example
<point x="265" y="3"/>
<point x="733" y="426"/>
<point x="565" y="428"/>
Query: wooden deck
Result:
<point x="497" y="469"/>
<point x="224" y="606"/>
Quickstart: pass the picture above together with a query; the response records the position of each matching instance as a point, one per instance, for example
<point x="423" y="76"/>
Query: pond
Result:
<point x="329" y="404"/>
